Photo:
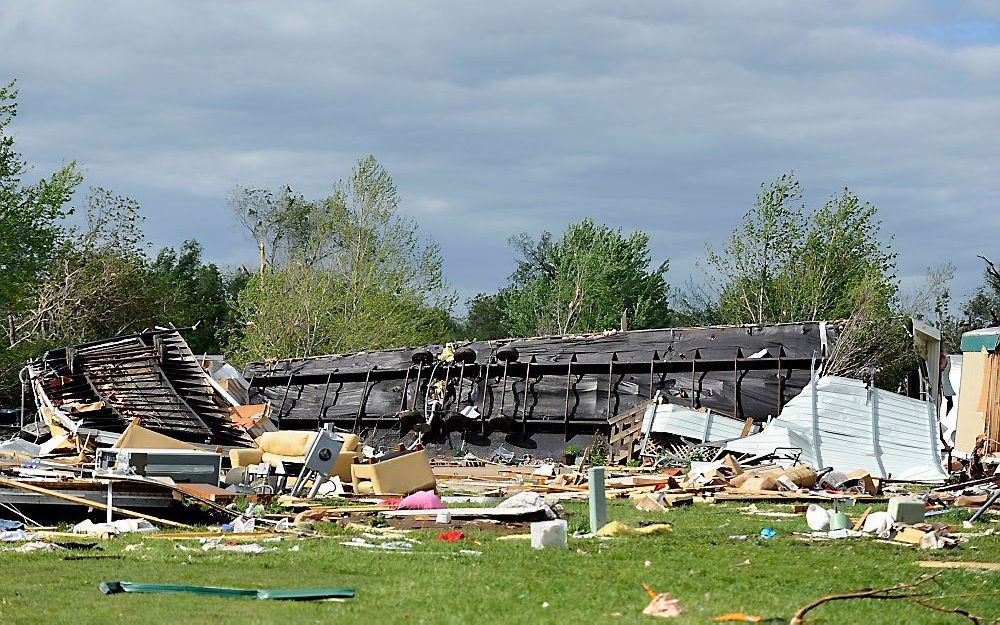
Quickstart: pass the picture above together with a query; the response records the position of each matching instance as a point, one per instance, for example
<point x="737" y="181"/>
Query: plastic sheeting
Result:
<point x="842" y="423"/>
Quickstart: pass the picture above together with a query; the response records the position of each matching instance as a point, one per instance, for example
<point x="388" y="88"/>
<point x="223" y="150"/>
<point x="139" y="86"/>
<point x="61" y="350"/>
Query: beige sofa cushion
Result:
<point x="350" y="442"/>
<point x="245" y="457"/>
<point x="285" y="443"/>
<point x="274" y="459"/>
<point x="400" y="475"/>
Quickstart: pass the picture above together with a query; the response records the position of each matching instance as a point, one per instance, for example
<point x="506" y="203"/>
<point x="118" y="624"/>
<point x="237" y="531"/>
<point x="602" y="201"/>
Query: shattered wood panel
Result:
<point x="129" y="378"/>
<point x="153" y="377"/>
<point x="189" y="379"/>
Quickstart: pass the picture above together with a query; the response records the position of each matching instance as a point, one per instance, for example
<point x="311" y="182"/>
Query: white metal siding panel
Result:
<point x="906" y="431"/>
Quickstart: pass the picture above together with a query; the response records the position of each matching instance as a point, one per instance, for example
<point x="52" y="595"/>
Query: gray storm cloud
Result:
<point x="497" y="118"/>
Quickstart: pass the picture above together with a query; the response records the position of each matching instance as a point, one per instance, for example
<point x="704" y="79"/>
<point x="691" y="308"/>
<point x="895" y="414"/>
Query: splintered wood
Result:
<point x="656" y="490"/>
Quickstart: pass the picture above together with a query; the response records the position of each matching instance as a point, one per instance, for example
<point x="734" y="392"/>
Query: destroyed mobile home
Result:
<point x="535" y="396"/>
<point x="132" y="425"/>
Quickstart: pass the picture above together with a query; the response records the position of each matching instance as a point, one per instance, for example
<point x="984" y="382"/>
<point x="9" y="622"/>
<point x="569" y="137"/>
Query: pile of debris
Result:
<point x="131" y="424"/>
<point x="95" y="390"/>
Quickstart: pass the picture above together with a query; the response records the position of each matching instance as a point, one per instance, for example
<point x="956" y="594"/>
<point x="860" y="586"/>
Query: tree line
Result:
<point x="351" y="272"/>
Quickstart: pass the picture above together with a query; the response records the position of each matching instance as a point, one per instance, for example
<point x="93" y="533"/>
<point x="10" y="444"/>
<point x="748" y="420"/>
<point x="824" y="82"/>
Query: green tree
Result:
<point x="199" y="294"/>
<point x="748" y="274"/>
<point x="30" y="216"/>
<point x="694" y="306"/>
<point x="484" y="318"/>
<point x="97" y="284"/>
<point x="100" y="283"/>
<point x="786" y="264"/>
<point x="344" y="273"/>
<point x="588" y="280"/>
<point x="982" y="310"/>
<point x="931" y="302"/>
<point x="282" y="223"/>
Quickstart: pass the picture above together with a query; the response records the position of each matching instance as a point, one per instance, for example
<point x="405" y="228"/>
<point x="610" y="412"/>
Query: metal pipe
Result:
<point x="461" y="383"/>
<point x="611" y="380"/>
<point x="503" y="393"/>
<point x="652" y="362"/>
<point x="486" y="387"/>
<point x="694" y="396"/>
<point x="781" y="386"/>
<point x="444" y="391"/>
<point x="986" y="506"/>
<point x="322" y="403"/>
<point x="569" y="382"/>
<point x="962" y="485"/>
<point x="361" y="404"/>
<point x="524" y="402"/>
<point x="402" y="396"/>
<point x="736" y="387"/>
<point x="281" y="408"/>
<point x="416" y="388"/>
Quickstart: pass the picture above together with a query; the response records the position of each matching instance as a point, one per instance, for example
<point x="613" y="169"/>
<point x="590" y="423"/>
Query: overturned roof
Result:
<point x="573" y="382"/>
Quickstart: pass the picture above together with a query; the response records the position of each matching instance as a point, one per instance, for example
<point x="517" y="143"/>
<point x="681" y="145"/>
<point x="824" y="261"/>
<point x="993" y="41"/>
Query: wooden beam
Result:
<point x="936" y="564"/>
<point x="86" y="502"/>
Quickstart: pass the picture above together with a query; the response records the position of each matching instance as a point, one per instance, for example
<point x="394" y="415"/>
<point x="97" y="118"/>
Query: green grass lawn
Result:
<point x="592" y="581"/>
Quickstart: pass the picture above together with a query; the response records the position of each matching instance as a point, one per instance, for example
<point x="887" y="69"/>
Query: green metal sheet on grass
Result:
<point x="287" y="594"/>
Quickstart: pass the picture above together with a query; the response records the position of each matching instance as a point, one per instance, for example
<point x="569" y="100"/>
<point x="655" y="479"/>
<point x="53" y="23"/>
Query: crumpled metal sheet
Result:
<point x="843" y="423"/>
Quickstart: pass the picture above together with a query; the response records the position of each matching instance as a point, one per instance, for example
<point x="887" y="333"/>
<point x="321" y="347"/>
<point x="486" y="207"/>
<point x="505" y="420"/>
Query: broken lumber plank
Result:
<point x="208" y="492"/>
<point x="176" y="489"/>
<point x="499" y="514"/>
<point x="935" y="564"/>
<point x="773" y="495"/>
<point x="861" y="520"/>
<point x="88" y="503"/>
<point x="211" y="535"/>
<point x="345" y="509"/>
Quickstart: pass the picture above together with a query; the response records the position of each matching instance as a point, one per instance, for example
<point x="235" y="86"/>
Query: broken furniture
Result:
<point x="321" y="458"/>
<point x="180" y="465"/>
<point x="291" y="447"/>
<point x="397" y="473"/>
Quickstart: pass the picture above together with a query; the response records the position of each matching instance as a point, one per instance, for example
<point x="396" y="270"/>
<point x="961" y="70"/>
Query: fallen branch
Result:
<point x="937" y="608"/>
<point x="891" y="592"/>
<point x="895" y="592"/>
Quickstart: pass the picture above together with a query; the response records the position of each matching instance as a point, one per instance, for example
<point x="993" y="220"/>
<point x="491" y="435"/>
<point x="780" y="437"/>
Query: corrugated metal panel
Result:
<point x="856" y="427"/>
<point x="674" y="419"/>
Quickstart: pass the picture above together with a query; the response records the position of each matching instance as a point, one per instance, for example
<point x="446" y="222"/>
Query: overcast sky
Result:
<point x="501" y="117"/>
